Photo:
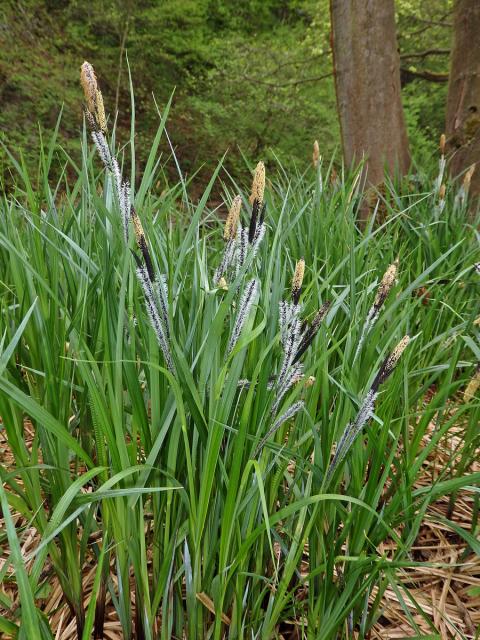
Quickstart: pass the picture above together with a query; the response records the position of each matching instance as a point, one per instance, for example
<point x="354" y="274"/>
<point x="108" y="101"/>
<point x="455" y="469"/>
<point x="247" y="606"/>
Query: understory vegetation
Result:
<point x="224" y="451"/>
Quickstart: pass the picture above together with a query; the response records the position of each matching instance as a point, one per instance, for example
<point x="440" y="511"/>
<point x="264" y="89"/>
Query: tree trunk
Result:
<point x="463" y="103"/>
<point x="367" y="81"/>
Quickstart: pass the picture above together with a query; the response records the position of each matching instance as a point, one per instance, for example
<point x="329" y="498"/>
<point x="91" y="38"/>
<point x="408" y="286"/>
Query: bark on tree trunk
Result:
<point x="367" y="81"/>
<point x="463" y="102"/>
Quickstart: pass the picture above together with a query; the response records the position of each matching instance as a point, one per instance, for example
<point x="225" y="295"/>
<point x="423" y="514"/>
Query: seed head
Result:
<point x="93" y="95"/>
<point x="258" y="184"/>
<point x="231" y="223"/>
<point x="297" y="280"/>
<point x="316" y="154"/>
<point x="443" y="141"/>
<point x="100" y="112"/>
<point x="88" y="81"/>
<point x="386" y="284"/>
<point x="442" y="191"/>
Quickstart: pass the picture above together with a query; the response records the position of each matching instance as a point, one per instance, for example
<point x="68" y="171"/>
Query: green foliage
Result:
<point x="151" y="475"/>
<point x="425" y="118"/>
<point x="424" y="32"/>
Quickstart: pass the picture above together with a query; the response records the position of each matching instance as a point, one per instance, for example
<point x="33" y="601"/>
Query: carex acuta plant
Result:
<point x="97" y="121"/>
<point x="367" y="407"/>
<point x="154" y="287"/>
<point x="242" y="242"/>
<point x="296" y="336"/>
<point x="230" y="234"/>
<point x="210" y="500"/>
<point x="241" y="246"/>
<point x="387" y="282"/>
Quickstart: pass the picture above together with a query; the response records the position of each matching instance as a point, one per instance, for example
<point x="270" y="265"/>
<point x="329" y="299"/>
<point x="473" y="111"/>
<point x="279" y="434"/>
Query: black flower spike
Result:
<point x="137" y="259"/>
<point x="310" y="333"/>
<point x="142" y="243"/>
<point x="389" y="363"/>
<point x="253" y="221"/>
<point x="262" y="213"/>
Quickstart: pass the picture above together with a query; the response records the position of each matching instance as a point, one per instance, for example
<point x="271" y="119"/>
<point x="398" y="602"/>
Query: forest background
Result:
<point x="253" y="77"/>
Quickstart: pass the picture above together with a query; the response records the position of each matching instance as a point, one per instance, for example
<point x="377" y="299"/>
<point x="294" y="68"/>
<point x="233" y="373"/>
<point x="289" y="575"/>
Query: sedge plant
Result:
<point x="215" y="416"/>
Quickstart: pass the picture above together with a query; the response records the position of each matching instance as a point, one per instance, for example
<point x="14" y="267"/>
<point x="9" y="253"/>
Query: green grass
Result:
<point x="160" y="465"/>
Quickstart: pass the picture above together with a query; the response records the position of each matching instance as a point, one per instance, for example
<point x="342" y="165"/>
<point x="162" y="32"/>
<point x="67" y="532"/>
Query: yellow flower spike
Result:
<point x="231" y="223"/>
<point x="316" y="154"/>
<point x="93" y="95"/>
<point x="443" y="141"/>
<point x="297" y="280"/>
<point x="258" y="184"/>
<point x="386" y="283"/>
